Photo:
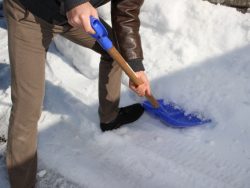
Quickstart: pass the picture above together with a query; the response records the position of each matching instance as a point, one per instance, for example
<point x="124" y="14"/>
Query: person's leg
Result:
<point x="109" y="74"/>
<point x="111" y="116"/>
<point x="27" y="50"/>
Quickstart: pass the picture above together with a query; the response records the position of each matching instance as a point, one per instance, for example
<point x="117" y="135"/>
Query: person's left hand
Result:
<point x="142" y="89"/>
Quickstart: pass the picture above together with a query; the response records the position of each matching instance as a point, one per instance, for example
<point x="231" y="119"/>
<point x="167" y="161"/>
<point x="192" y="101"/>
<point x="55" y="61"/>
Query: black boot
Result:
<point x="126" y="115"/>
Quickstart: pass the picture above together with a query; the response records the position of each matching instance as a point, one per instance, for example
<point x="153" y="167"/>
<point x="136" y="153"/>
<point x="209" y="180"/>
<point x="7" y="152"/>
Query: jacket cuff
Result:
<point x="136" y="65"/>
<point x="69" y="4"/>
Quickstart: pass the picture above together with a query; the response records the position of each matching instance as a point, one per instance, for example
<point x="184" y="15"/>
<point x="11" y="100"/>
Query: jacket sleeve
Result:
<point x="69" y="4"/>
<point x="126" y="24"/>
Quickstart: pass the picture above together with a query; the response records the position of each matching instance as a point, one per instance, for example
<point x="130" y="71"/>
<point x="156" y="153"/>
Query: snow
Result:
<point x="196" y="54"/>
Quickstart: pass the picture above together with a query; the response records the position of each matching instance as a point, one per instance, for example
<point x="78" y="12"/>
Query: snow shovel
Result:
<point x="168" y="113"/>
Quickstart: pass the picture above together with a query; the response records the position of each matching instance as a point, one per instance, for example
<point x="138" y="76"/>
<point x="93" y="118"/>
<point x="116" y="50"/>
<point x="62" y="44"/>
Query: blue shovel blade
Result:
<point x="174" y="116"/>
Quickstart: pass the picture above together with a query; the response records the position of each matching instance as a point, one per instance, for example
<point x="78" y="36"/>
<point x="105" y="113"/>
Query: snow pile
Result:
<point x="196" y="55"/>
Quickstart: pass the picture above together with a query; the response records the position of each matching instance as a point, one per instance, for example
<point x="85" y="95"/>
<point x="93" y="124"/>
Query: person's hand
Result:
<point x="142" y="89"/>
<point x="79" y="16"/>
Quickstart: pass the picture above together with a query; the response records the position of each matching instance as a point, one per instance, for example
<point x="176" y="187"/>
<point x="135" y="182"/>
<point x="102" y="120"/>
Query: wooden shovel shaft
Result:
<point x="113" y="52"/>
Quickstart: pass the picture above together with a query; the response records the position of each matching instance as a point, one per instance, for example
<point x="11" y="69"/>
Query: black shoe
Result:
<point x="126" y="115"/>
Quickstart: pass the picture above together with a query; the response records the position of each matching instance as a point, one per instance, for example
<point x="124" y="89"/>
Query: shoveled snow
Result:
<point x="196" y="54"/>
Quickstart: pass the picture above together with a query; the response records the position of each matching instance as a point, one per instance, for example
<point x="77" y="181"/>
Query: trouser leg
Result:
<point x="27" y="48"/>
<point x="109" y="74"/>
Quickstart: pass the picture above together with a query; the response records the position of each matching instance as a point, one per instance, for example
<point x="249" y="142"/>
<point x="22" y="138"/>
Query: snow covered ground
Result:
<point x="196" y="55"/>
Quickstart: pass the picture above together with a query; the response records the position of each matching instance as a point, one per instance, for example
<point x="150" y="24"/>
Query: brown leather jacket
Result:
<point x="125" y="22"/>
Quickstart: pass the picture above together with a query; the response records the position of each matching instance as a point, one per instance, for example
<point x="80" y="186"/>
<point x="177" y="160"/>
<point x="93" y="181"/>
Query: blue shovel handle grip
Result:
<point x="101" y="34"/>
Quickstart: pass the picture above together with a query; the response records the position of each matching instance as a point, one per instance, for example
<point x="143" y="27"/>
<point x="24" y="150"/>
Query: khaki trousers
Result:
<point x="28" y="39"/>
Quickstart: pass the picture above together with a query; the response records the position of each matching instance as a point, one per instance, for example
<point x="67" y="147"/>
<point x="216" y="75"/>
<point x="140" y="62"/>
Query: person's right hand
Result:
<point x="79" y="16"/>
